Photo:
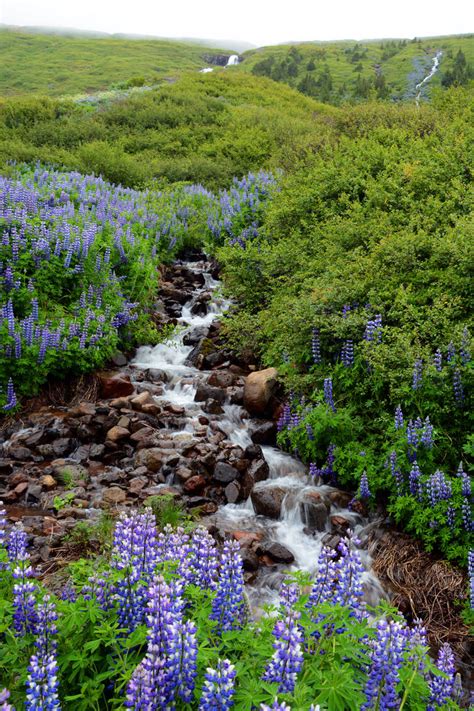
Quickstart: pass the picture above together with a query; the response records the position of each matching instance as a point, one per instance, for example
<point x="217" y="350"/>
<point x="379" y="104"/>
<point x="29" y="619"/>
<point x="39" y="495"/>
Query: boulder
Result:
<point x="259" y="389"/>
<point x="206" y="392"/>
<point x="151" y="458"/>
<point x="117" y="433"/>
<point x="257" y="471"/>
<point x="224" y="473"/>
<point x="265" y="433"/>
<point x="212" y="407"/>
<point x="221" y="379"/>
<point x="267" y="501"/>
<point x="232" y="492"/>
<point x="194" y="484"/>
<point x="314" y="512"/>
<point x="114" y="495"/>
<point x="250" y="559"/>
<point x="115" y="386"/>
<point x="277" y="552"/>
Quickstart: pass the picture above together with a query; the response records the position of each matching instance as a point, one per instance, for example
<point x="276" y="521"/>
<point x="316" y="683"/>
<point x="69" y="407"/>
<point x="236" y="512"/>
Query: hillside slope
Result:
<point x="356" y="71"/>
<point x="75" y="65"/>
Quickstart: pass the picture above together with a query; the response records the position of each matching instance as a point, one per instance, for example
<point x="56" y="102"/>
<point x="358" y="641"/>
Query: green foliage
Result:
<point x="170" y="512"/>
<point x="379" y="222"/>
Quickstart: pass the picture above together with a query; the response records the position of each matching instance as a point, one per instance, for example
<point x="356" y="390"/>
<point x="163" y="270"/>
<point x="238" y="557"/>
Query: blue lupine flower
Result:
<point x="398" y="418"/>
<point x="438" y="361"/>
<point x="287" y="660"/>
<point x="328" y="396"/>
<point x="316" y="346"/>
<point x="42" y="682"/>
<point x="11" y="397"/>
<point x="387" y="651"/>
<point x="4" y="705"/>
<point x="364" y="491"/>
<point x="396" y="473"/>
<point x="470" y="567"/>
<point x="218" y="687"/>
<point x="276" y="706"/>
<point x="415" y="481"/>
<point x="427" y="434"/>
<point x="347" y="353"/>
<point x="464" y="351"/>
<point x="24" y="615"/>
<point x="451" y="356"/>
<point x="441" y="687"/>
<point x="417" y="374"/>
<point x="204" y="563"/>
<point x="228" y="605"/>
<point x="457" y="386"/>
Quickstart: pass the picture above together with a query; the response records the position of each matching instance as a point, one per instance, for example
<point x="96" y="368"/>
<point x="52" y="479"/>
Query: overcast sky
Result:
<point x="257" y="21"/>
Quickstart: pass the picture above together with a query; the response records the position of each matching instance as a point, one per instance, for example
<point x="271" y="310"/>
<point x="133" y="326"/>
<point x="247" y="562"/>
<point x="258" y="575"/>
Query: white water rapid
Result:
<point x="288" y="475"/>
<point x="429" y="76"/>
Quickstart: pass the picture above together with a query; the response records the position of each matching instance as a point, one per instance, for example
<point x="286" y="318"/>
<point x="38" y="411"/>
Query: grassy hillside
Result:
<point x="77" y="65"/>
<point x="203" y="128"/>
<point x="345" y="71"/>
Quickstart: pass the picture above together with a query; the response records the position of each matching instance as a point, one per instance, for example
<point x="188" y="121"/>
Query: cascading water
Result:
<point x="233" y="60"/>
<point x="286" y="474"/>
<point x="428" y="77"/>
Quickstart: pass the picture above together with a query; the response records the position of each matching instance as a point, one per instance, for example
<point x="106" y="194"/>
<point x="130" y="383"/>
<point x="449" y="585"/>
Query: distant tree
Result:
<point x="311" y="65"/>
<point x="461" y="72"/>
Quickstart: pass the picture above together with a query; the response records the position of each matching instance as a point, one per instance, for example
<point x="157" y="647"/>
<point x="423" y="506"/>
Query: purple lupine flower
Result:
<point x="465" y="481"/>
<point x="218" y="687"/>
<point x="438" y="488"/>
<point x="184" y="659"/>
<point x="441" y="687"/>
<point x="417" y="374"/>
<point x="414" y="480"/>
<point x="228" y="605"/>
<point x="276" y="706"/>
<point x="316" y="346"/>
<point x="309" y="432"/>
<point x="11" y="397"/>
<point x="373" y="329"/>
<point x="386" y="654"/>
<point x="451" y="516"/>
<point x="438" y="361"/>
<point x="24" y="615"/>
<point x="287" y="660"/>
<point x="427" y="434"/>
<point x="451" y="355"/>
<point x="464" y="351"/>
<point x="134" y="553"/>
<point x="98" y="589"/>
<point x="203" y="564"/>
<point x="328" y="396"/>
<point x="347" y="353"/>
<point x="412" y="435"/>
<point x="314" y="472"/>
<point x="285" y="417"/>
<point x="158" y="677"/>
<point x="466" y="515"/>
<point x="42" y="682"/>
<point x="396" y="473"/>
<point x="4" y="705"/>
<point x="323" y="586"/>
<point x="3" y="525"/>
<point x="470" y="568"/>
<point x="457" y="386"/>
<point x="398" y="418"/>
<point x="364" y="491"/>
<point x="329" y="468"/>
<point x="348" y="590"/>
<point x="289" y="595"/>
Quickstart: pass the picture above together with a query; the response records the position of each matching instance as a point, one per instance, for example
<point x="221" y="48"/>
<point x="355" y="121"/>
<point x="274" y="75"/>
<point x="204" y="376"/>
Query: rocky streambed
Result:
<point x="186" y="419"/>
<point x="189" y="420"/>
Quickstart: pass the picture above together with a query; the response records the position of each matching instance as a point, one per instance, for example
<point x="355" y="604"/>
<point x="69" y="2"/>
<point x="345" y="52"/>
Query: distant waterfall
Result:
<point x="428" y="77"/>
<point x="233" y="59"/>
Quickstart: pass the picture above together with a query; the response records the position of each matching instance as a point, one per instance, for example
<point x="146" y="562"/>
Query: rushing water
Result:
<point x="233" y="59"/>
<point x="286" y="472"/>
<point x="429" y="76"/>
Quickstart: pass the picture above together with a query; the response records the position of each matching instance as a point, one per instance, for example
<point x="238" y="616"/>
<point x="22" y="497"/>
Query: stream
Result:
<point x="287" y="475"/>
<point x="428" y="77"/>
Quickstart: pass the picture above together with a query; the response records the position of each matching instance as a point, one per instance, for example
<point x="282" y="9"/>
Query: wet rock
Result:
<point x="257" y="471"/>
<point x="170" y="294"/>
<point x="253" y="451"/>
<point x="314" y="512"/>
<point x="117" y="433"/>
<point x="120" y="403"/>
<point x="195" y="484"/>
<point x="195" y="336"/>
<point x="340" y="524"/>
<point x="114" y="495"/>
<point x="115" y="386"/>
<point x="212" y="407"/>
<point x="339" y="498"/>
<point x="232" y="492"/>
<point x="247" y="538"/>
<point x="264" y="434"/>
<point x="144" y="398"/>
<point x="332" y="541"/>
<point x="267" y="501"/>
<point x="224" y="473"/>
<point x="236" y="395"/>
<point x="259" y="389"/>
<point x="221" y="379"/>
<point x="152" y="459"/>
<point x="250" y="559"/>
<point x="277" y="552"/>
<point x="206" y="392"/>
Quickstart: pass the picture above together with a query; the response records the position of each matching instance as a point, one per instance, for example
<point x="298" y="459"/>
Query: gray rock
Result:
<point x="267" y="501"/>
<point x="206" y="392"/>
<point x="224" y="473"/>
<point x="232" y="492"/>
<point x="277" y="552"/>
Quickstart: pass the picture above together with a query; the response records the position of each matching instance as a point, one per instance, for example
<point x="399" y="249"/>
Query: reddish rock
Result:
<point x="221" y="379"/>
<point x="247" y="538"/>
<point x="115" y="386"/>
<point x="152" y="459"/>
<point x="48" y="482"/>
<point x="21" y="488"/>
<point x="136" y="484"/>
<point x="195" y="484"/>
<point x="340" y="524"/>
<point x="114" y="495"/>
<point x="259" y="389"/>
<point x="139" y="401"/>
<point x="268" y="501"/>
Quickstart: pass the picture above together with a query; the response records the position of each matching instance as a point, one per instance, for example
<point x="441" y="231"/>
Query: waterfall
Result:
<point x="233" y="59"/>
<point x="429" y="76"/>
